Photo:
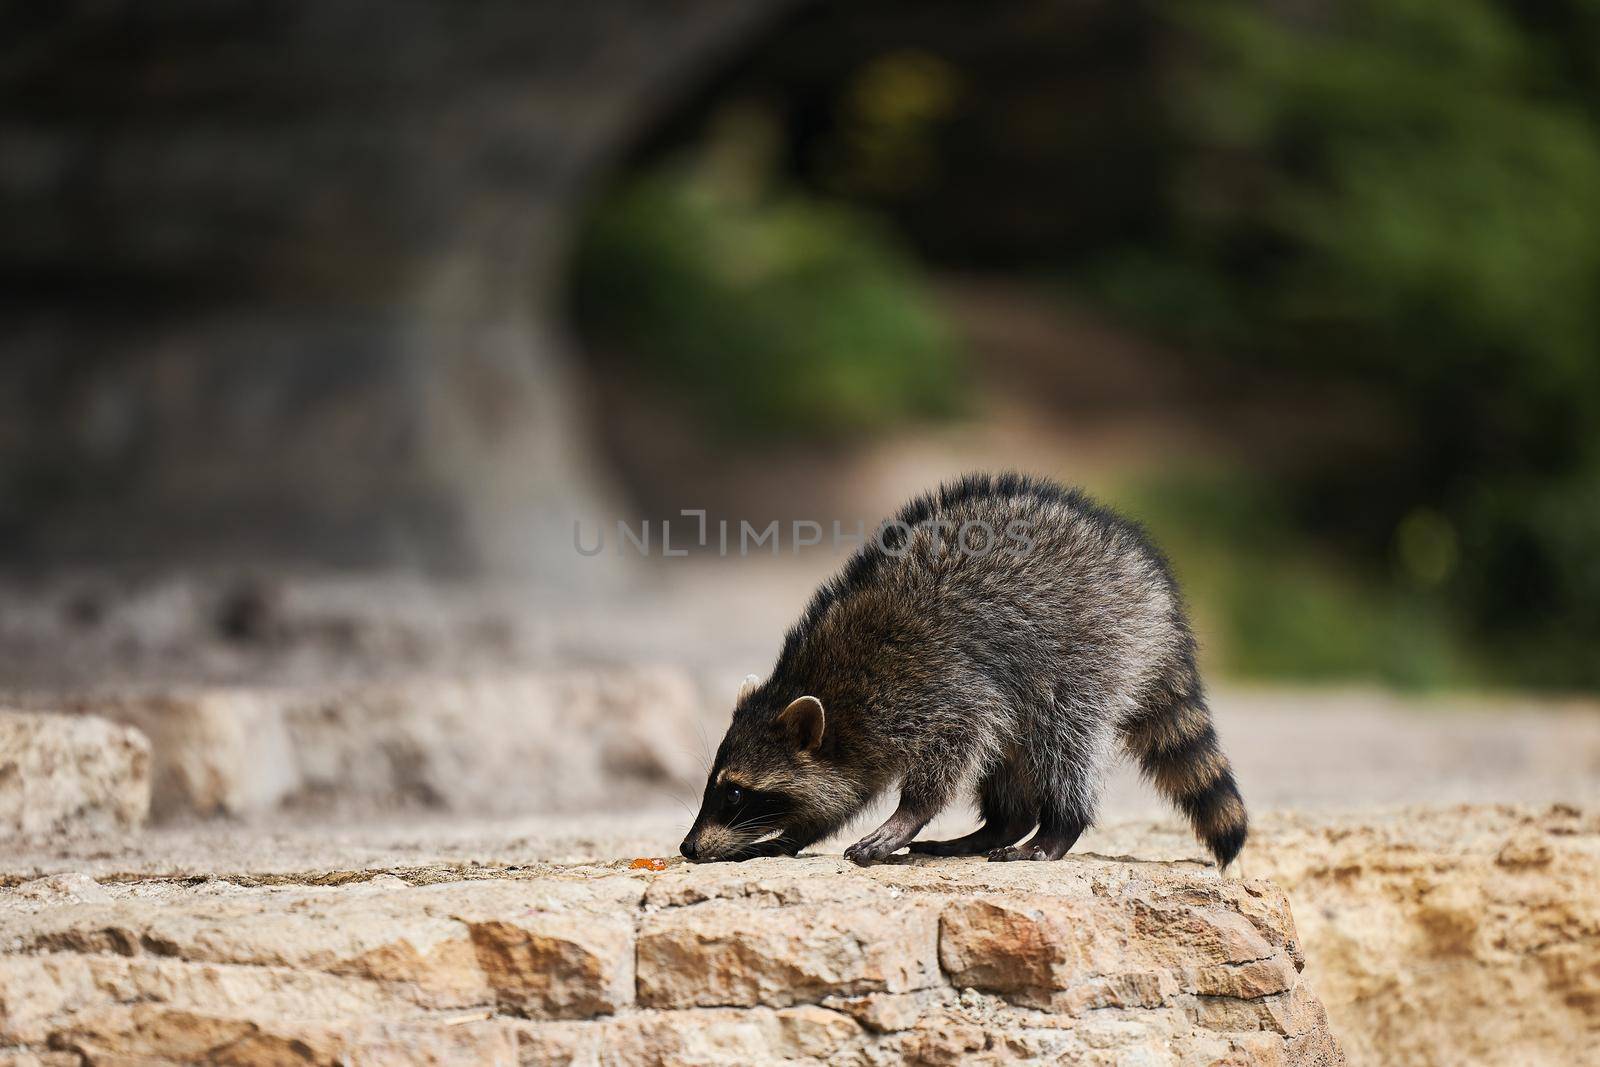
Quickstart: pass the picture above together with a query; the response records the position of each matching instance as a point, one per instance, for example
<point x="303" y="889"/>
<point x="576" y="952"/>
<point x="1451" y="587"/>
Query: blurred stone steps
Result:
<point x="485" y="743"/>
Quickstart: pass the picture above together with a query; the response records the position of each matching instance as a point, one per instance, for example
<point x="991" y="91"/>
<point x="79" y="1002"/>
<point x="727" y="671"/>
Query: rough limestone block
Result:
<point x="723" y="953"/>
<point x="1077" y="951"/>
<point x="557" y="966"/>
<point x="66" y="774"/>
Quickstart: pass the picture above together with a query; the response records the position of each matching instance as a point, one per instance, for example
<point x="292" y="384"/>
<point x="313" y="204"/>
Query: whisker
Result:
<point x="754" y="826"/>
<point x="699" y="758"/>
<point x="705" y="745"/>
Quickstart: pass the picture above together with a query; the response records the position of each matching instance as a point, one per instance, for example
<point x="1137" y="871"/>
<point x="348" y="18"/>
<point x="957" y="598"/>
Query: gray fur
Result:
<point x="1005" y="674"/>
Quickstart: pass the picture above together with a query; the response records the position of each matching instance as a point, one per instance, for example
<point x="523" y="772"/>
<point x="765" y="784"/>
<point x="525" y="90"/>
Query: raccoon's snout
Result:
<point x="710" y="844"/>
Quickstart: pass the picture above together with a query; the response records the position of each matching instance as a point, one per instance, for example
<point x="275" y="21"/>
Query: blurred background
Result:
<point x="329" y="333"/>
<point x="1310" y="288"/>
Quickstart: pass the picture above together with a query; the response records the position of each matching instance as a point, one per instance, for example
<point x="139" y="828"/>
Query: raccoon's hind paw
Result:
<point x="1018" y="852"/>
<point x="1045" y="845"/>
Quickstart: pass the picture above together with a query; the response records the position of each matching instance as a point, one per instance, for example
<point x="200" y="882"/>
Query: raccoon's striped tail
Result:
<point x="1177" y="749"/>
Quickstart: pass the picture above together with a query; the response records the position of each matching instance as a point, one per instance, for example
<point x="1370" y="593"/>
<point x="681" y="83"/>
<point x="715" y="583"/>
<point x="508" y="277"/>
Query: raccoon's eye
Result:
<point x="735" y="796"/>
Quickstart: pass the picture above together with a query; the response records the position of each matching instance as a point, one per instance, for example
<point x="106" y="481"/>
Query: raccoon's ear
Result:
<point x="804" y="721"/>
<point x="750" y="684"/>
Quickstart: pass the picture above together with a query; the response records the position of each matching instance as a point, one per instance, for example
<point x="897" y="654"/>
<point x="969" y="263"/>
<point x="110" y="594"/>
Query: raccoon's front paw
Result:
<point x="862" y="854"/>
<point x="869" y="849"/>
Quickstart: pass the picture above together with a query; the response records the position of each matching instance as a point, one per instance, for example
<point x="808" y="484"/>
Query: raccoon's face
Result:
<point x="766" y="790"/>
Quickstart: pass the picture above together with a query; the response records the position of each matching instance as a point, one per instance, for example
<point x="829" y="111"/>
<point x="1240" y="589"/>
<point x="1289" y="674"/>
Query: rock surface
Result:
<point x="70" y="774"/>
<point x="1440" y="937"/>
<point x="1467" y="935"/>
<point x="810" y="960"/>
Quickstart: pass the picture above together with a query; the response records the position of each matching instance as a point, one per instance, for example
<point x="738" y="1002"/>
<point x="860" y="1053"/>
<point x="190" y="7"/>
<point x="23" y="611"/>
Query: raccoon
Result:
<point x="998" y="636"/>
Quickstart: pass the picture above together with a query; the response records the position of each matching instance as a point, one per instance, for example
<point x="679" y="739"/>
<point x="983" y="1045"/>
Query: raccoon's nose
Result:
<point x="690" y="850"/>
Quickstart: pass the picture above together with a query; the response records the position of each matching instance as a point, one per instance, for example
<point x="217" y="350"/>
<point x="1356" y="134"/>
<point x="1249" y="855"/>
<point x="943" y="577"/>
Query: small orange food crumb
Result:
<point x="647" y="864"/>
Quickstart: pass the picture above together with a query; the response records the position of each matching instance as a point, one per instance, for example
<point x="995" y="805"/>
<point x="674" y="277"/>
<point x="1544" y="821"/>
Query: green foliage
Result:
<point x="771" y="315"/>
<point x="1407" y="193"/>
<point x="1272" y="604"/>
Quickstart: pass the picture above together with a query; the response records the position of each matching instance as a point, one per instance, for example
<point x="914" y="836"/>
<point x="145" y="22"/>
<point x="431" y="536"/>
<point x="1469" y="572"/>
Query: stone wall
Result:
<point x="279" y="277"/>
<point x="808" y="961"/>
<point x="1437" y="936"/>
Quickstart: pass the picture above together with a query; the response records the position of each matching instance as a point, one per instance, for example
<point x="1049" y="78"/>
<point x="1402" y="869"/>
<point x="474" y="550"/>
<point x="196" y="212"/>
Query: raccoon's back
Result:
<point x="1027" y="549"/>
<point x="1012" y="574"/>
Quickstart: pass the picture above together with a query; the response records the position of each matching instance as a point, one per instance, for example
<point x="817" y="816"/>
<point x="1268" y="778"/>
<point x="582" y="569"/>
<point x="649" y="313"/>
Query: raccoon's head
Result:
<point x="770" y="783"/>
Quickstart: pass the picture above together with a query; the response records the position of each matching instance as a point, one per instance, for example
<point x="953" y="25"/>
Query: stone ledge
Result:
<point x="809" y="960"/>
